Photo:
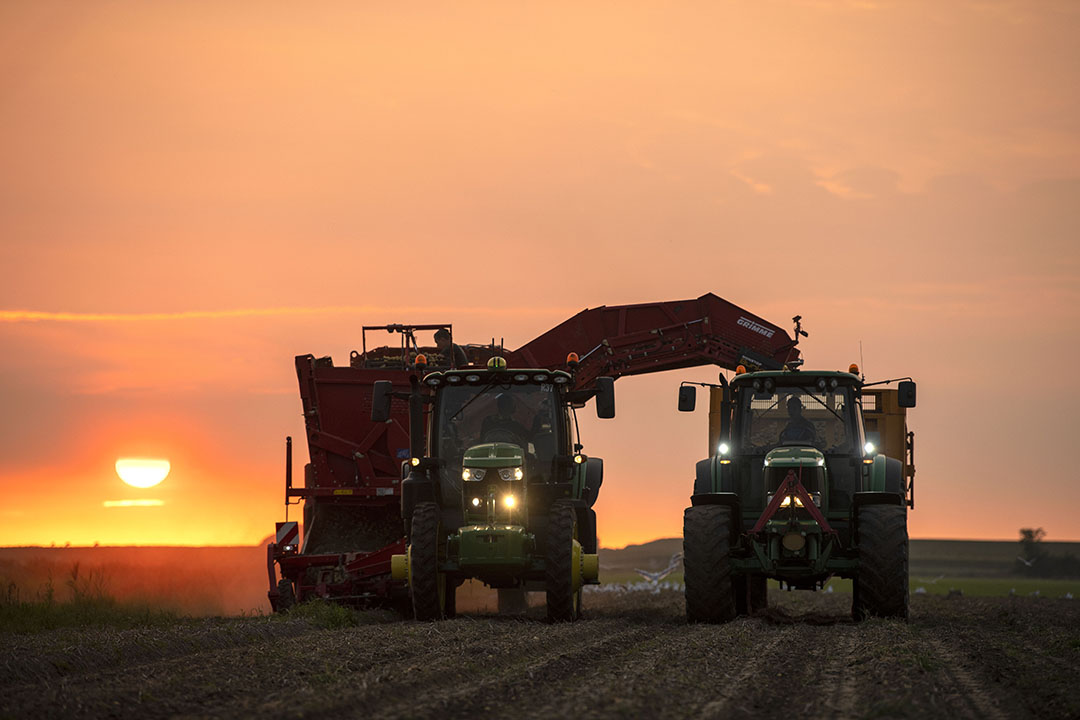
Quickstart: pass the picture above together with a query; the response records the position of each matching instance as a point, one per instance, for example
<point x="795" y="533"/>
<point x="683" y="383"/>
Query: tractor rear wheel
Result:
<point x="563" y="564"/>
<point x="710" y="595"/>
<point x="426" y="584"/>
<point x="881" y="588"/>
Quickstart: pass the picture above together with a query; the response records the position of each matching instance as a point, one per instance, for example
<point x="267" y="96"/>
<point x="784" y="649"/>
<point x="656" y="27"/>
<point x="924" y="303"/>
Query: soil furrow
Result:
<point x="975" y="696"/>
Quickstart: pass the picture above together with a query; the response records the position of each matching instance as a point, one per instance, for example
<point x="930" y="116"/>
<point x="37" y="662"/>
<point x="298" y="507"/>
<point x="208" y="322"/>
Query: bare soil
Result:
<point x="632" y="656"/>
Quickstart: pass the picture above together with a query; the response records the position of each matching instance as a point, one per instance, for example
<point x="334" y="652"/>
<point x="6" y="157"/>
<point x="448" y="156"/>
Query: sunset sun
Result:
<point x="142" y="472"/>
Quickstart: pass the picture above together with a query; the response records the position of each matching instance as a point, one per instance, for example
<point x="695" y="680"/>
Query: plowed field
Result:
<point x="632" y="656"/>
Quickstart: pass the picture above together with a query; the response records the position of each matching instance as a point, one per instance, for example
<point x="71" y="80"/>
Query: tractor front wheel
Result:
<point x="710" y="595"/>
<point x="427" y="584"/>
<point x="563" y="564"/>
<point x="881" y="588"/>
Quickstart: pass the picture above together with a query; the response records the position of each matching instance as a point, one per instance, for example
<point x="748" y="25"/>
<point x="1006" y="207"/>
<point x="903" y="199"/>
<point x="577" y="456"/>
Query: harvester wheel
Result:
<point x="512" y="601"/>
<point x="759" y="592"/>
<point x="881" y="588"/>
<point x="286" y="595"/>
<point x="563" y="566"/>
<point x="710" y="596"/>
<point x="426" y="584"/>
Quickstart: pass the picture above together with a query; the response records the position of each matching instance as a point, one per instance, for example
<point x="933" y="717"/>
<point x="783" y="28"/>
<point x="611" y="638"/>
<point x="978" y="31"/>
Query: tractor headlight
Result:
<point x="869" y="448"/>
<point x="473" y="474"/>
<point x="724" y="448"/>
<point x="509" y="474"/>
<point x="476" y="502"/>
<point x="509" y="501"/>
<point x="786" y="502"/>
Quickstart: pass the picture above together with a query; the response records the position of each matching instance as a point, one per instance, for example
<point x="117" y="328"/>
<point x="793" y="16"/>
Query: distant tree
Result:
<point x="1035" y="561"/>
<point x="1031" y="547"/>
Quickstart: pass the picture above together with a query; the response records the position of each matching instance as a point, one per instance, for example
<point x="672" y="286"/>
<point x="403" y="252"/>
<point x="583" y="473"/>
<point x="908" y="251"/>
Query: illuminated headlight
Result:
<point x="579" y="458"/>
<point x="786" y="502"/>
<point x="415" y="462"/>
<point x="821" y="462"/>
<point x="869" y="448"/>
<point x="476" y="502"/>
<point x="511" y="473"/>
<point x="766" y="462"/>
<point x="473" y="474"/>
<point x="724" y="449"/>
<point x="509" y="501"/>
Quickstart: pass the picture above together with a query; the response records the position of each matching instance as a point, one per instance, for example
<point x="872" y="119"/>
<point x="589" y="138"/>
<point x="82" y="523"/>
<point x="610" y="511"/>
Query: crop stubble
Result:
<point x="633" y="656"/>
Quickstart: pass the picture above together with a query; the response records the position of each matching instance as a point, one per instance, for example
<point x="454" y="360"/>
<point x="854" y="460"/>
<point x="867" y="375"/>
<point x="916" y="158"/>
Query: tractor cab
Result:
<point x="811" y="419"/>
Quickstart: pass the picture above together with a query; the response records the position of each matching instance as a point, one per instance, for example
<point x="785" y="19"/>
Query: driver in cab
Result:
<point x="502" y="427"/>
<point x="798" y="430"/>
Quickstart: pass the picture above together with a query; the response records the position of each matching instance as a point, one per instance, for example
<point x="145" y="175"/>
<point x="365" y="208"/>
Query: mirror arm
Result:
<point x="885" y="382"/>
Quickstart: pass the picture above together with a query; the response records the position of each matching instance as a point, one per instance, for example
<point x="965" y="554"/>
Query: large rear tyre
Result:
<point x="881" y="589"/>
<point x="426" y="584"/>
<point x="710" y="595"/>
<point x="512" y="601"/>
<point x="563" y="564"/>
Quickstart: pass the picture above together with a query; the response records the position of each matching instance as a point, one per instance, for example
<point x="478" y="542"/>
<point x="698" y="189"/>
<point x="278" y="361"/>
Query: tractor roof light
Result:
<point x="724" y="448"/>
<point x="853" y="369"/>
<point x="579" y="458"/>
<point x="415" y="462"/>
<point x="869" y="448"/>
<point x="572" y="360"/>
<point x="421" y="361"/>
<point x="740" y="369"/>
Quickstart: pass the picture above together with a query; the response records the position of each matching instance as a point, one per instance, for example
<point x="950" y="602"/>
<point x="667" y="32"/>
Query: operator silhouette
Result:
<point x="454" y="354"/>
<point x="502" y="427"/>
<point x="798" y="430"/>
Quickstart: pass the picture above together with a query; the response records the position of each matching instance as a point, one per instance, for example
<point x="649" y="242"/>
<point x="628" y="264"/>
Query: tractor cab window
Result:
<point x="798" y="416"/>
<point x="525" y="415"/>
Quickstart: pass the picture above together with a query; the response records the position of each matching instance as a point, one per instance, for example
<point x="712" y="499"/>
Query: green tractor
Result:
<point x="796" y="489"/>
<point x="500" y="491"/>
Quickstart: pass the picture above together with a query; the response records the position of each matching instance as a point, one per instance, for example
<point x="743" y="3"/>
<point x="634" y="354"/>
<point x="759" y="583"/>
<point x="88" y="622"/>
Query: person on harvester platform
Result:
<point x="450" y="350"/>
<point x="798" y="429"/>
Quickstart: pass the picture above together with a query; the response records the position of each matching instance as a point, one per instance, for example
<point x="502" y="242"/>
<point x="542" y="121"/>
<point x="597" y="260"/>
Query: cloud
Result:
<point x="25" y="316"/>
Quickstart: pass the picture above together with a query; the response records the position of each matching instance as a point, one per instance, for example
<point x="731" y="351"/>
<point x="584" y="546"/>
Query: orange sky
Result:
<point x="193" y="193"/>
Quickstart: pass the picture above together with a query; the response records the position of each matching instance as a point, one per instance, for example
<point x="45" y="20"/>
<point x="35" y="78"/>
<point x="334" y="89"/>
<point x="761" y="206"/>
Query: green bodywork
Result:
<point x="492" y="546"/>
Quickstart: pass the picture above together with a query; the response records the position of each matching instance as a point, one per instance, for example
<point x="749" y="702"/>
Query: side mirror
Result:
<point x="905" y="394"/>
<point x="380" y="401"/>
<point x="605" y="397"/>
<point x="687" y="398"/>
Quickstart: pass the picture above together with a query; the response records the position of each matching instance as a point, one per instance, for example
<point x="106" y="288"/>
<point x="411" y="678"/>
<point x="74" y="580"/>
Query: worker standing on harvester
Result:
<point x="450" y="350"/>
